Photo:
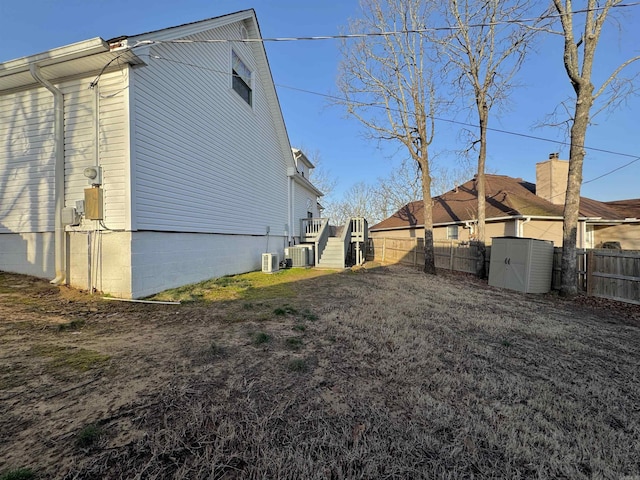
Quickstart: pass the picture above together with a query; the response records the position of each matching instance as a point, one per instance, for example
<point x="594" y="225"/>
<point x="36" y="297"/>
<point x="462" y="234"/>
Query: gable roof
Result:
<point x="506" y="197"/>
<point x="95" y="55"/>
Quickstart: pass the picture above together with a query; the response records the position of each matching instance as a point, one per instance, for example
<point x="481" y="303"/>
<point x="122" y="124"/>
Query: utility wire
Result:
<point x="441" y="119"/>
<point x="347" y="36"/>
<point x="352" y="35"/>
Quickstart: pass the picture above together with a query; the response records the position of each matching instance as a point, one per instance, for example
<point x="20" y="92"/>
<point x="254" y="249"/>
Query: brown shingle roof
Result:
<point x="628" y="208"/>
<point x="506" y="197"/>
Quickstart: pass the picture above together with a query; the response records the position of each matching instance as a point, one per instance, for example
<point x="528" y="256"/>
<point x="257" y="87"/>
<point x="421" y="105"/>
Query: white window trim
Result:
<point x="232" y="51"/>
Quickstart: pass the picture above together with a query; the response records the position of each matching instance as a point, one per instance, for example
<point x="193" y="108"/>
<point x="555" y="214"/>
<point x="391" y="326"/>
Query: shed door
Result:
<point x="517" y="255"/>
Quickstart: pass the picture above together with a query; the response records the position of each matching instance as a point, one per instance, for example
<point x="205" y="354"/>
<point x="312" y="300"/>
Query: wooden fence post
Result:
<point x="589" y="268"/>
<point x="451" y="256"/>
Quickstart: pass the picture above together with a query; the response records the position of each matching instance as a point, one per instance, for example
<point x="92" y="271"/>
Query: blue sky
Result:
<point x="33" y="26"/>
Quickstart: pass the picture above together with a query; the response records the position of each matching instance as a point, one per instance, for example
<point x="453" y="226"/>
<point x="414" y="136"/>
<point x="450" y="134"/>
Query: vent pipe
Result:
<point x="58" y="132"/>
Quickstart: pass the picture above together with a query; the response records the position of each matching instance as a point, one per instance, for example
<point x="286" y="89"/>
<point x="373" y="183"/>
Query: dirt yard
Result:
<point x="380" y="373"/>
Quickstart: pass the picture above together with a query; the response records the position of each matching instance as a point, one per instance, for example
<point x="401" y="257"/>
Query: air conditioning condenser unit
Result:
<point x="299" y="256"/>
<point x="270" y="262"/>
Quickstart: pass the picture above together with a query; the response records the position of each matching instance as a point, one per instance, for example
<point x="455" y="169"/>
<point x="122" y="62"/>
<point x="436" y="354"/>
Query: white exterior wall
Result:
<point x="100" y="260"/>
<point x="80" y="102"/>
<point x="28" y="253"/>
<point x="27" y="162"/>
<point x="193" y="177"/>
<point x="166" y="260"/>
<point x="301" y="196"/>
<point x="205" y="161"/>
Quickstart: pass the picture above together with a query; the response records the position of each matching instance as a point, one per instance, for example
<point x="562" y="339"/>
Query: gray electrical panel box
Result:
<point x="93" y="203"/>
<point x="70" y="216"/>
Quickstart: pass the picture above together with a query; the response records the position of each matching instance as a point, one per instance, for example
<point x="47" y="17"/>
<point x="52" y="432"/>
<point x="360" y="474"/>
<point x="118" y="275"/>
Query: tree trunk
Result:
<point x="483" y="114"/>
<point x="429" y="253"/>
<point x="569" y="270"/>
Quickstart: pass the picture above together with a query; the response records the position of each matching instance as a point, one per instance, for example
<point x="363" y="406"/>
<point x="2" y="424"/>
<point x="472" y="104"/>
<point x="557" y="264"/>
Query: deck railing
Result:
<point x="359" y="238"/>
<point x="310" y="228"/>
<point x="321" y="240"/>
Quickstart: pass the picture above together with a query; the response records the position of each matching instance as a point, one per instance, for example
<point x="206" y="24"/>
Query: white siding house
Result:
<point x="198" y="175"/>
<point x="304" y="196"/>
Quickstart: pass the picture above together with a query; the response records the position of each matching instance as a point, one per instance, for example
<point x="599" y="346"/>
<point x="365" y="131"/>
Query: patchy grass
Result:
<point x="75" y="358"/>
<point x="249" y="287"/>
<point x="285" y="310"/>
<point x="18" y="474"/>
<point x="72" y="325"/>
<point x="399" y="375"/>
<point x="260" y="338"/>
<point x="298" y="365"/>
<point x="89" y="437"/>
<point x="294" y="343"/>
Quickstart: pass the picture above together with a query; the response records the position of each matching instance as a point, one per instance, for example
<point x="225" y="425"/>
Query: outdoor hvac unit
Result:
<point x="270" y="262"/>
<point x="299" y="256"/>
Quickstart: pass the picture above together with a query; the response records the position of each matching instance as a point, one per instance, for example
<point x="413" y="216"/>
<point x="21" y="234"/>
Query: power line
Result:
<point x="441" y="119"/>
<point x="348" y="36"/>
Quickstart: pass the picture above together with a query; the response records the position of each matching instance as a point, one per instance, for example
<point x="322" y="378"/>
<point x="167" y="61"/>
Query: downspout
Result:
<point x="290" y="210"/>
<point x="58" y="129"/>
<point x="521" y="223"/>
<point x="583" y="234"/>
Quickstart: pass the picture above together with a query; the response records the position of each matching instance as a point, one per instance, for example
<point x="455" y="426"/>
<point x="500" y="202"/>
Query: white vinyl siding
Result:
<point x="80" y="141"/>
<point x="300" y="205"/>
<point x="205" y="161"/>
<point x="27" y="160"/>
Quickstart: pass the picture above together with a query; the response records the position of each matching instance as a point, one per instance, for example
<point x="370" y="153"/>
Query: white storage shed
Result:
<point x="521" y="264"/>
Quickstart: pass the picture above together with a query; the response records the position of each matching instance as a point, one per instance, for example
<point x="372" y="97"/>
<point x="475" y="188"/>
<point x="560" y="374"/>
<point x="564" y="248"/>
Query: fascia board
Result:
<point x="55" y="55"/>
<point x="173" y="33"/>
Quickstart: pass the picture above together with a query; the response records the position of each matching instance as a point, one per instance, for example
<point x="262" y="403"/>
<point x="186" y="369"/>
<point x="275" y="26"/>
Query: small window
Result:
<point x="452" y="232"/>
<point x="241" y="78"/>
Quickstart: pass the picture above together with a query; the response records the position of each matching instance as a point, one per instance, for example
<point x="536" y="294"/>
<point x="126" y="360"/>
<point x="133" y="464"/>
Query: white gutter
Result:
<point x="55" y="55"/>
<point x="58" y="129"/>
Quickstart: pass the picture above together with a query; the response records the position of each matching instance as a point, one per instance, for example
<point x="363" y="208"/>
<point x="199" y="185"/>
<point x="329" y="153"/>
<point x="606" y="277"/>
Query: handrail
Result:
<point x="310" y="228"/>
<point x="360" y="234"/>
<point x="321" y="238"/>
<point x="346" y="239"/>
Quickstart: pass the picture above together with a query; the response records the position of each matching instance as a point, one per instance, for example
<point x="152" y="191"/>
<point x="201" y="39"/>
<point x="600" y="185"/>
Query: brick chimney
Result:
<point x="551" y="179"/>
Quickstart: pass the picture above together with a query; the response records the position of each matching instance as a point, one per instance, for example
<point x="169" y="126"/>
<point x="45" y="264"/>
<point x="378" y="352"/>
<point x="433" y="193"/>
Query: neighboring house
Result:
<point x="518" y="208"/>
<point x="194" y="176"/>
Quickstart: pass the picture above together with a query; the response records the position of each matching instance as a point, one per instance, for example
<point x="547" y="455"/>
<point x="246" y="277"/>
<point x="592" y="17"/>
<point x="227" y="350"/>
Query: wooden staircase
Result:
<point x="333" y="255"/>
<point x="346" y="249"/>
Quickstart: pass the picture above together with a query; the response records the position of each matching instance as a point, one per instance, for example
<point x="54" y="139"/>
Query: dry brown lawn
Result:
<point x="378" y="374"/>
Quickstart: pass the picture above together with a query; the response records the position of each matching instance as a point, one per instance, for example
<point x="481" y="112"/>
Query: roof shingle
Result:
<point x="506" y="197"/>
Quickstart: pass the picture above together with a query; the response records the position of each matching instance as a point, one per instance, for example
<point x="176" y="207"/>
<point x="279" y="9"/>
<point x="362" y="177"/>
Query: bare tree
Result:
<point x="403" y="185"/>
<point x="320" y="176"/>
<point x="387" y="81"/>
<point x="445" y="177"/>
<point x="485" y="48"/>
<point x="359" y="201"/>
<point x="579" y="56"/>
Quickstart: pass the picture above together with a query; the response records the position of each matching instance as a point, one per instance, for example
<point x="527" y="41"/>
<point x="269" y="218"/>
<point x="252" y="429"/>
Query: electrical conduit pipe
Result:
<point x="58" y="131"/>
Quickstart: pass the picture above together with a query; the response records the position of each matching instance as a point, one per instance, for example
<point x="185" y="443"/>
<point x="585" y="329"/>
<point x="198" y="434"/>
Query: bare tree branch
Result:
<point x="396" y="72"/>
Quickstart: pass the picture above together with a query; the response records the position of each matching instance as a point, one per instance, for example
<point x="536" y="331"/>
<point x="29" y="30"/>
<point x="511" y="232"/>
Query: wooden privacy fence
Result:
<point x="449" y="254"/>
<point x="609" y="274"/>
<point x="614" y="274"/>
